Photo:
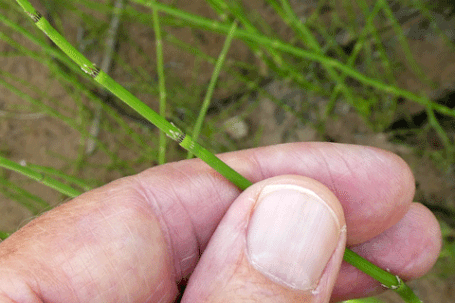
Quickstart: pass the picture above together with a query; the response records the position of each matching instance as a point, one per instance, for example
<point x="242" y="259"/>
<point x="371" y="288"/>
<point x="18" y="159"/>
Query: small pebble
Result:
<point x="236" y="128"/>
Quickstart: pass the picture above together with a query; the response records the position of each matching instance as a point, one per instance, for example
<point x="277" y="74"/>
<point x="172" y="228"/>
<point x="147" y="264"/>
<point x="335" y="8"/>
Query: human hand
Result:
<point x="281" y="240"/>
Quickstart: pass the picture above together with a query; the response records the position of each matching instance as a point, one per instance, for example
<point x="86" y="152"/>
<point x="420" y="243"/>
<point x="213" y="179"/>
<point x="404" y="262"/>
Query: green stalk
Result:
<point x="386" y="278"/>
<point x="162" y="83"/>
<point x="52" y="183"/>
<point x="277" y="65"/>
<point x="212" y="83"/>
<point x="302" y="30"/>
<point x="106" y="81"/>
<point x="280" y="45"/>
<point x="353" y="56"/>
<point x="54" y="172"/>
<point x="442" y="134"/>
<point x="30" y="201"/>
<point x="378" y="43"/>
<point x="67" y="79"/>
<point x="404" y="44"/>
<point x="49" y="110"/>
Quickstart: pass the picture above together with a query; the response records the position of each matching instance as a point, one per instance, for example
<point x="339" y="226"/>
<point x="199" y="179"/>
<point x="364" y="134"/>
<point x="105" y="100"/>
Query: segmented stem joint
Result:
<point x="393" y="286"/>
<point x="35" y="16"/>
<point x="180" y="138"/>
<point x="92" y="71"/>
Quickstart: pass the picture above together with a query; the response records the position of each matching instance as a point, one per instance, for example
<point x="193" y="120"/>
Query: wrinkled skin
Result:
<point x="137" y="238"/>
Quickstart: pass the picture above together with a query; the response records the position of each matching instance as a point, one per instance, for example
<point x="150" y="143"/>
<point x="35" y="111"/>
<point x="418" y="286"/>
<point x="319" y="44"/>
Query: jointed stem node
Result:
<point x="35" y="17"/>
<point x="92" y="71"/>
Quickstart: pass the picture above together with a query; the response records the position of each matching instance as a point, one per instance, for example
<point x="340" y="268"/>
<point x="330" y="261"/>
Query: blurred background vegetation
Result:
<point x="379" y="73"/>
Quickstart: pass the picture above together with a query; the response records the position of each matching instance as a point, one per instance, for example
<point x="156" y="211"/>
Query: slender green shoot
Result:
<point x="388" y="279"/>
<point x="162" y="83"/>
<point x="49" y="110"/>
<point x="212" y="84"/>
<point x="57" y="173"/>
<point x="440" y="131"/>
<point x="110" y="84"/>
<point x="290" y="49"/>
<point x="30" y="201"/>
<point x="52" y="183"/>
<point x="402" y="38"/>
<point x="306" y="35"/>
<point x="353" y="56"/>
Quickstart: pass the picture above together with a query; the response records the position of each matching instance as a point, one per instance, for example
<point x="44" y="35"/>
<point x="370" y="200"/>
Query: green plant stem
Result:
<point x="162" y="83"/>
<point x="52" y="183"/>
<point x="277" y="65"/>
<point x="52" y="171"/>
<point x="110" y="84"/>
<point x="32" y="202"/>
<point x="404" y="44"/>
<point x="352" y="57"/>
<point x="280" y="45"/>
<point x="212" y="83"/>
<point x="302" y="30"/>
<point x="388" y="279"/>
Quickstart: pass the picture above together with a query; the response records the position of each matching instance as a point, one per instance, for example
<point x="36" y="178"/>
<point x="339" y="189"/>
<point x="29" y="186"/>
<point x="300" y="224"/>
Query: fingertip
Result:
<point x="400" y="173"/>
<point x="427" y="240"/>
<point x="281" y="239"/>
<point x="408" y="249"/>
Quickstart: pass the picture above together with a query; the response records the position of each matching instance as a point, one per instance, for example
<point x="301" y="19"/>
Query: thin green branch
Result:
<point x="162" y="83"/>
<point x="49" y="110"/>
<point x="387" y="279"/>
<point x="439" y="130"/>
<point x="106" y="63"/>
<point x="402" y="39"/>
<point x="280" y="45"/>
<point x="212" y="84"/>
<point x="278" y="65"/>
<point x="305" y="34"/>
<point x="352" y="58"/>
<point x="106" y="81"/>
<point x="54" y="172"/>
<point x="67" y="79"/>
<point x="30" y="201"/>
<point x="52" y="183"/>
<point x="176" y="134"/>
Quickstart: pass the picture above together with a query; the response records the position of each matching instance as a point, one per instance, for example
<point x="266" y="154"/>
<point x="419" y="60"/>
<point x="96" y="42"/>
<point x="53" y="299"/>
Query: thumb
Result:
<point x="282" y="240"/>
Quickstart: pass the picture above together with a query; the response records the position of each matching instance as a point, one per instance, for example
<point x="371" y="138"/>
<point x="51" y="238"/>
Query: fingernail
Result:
<point x="292" y="235"/>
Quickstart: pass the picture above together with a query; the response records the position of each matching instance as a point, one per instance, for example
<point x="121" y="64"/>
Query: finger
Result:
<point x="405" y="249"/>
<point x="375" y="188"/>
<point x="187" y="199"/>
<point x="273" y="245"/>
<point x="104" y="246"/>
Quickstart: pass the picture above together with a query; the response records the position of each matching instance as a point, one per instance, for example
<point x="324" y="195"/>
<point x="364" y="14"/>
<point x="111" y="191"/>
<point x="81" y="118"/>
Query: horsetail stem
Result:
<point x="110" y="84"/>
<point x="215" y="26"/>
<point x="161" y="83"/>
<point x="387" y="279"/>
<point x="33" y="174"/>
<point x="211" y="87"/>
